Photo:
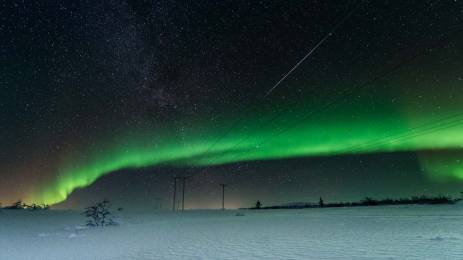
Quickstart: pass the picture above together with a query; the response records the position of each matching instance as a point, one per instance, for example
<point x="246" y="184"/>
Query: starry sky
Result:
<point x="115" y="98"/>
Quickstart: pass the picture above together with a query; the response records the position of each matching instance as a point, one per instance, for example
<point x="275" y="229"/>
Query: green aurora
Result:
<point x="344" y="129"/>
<point x="92" y="89"/>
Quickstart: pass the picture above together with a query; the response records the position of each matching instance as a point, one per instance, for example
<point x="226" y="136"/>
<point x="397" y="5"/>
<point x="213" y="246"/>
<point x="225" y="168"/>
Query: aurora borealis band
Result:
<point x="305" y="141"/>
<point x="94" y="89"/>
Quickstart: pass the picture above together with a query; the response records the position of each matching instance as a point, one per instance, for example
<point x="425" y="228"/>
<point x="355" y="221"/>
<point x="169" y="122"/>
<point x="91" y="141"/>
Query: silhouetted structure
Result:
<point x="258" y="205"/>
<point x="183" y="191"/>
<point x="321" y="204"/>
<point x="175" y="194"/>
<point x="223" y="195"/>
<point x="21" y="205"/>
<point x="34" y="206"/>
<point x="175" y="205"/>
<point x="17" y="205"/>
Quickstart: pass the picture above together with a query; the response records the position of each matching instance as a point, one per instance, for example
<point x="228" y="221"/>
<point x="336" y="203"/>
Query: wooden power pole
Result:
<point x="183" y="193"/>
<point x="175" y="193"/>
<point x="223" y="195"/>
<point x="174" y="203"/>
<point x="183" y="179"/>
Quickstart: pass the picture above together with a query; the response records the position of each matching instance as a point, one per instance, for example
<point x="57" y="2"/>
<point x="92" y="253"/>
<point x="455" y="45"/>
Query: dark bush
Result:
<point x="99" y="215"/>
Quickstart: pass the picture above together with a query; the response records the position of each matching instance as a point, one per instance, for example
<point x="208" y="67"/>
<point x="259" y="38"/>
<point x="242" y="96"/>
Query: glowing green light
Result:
<point x="346" y="130"/>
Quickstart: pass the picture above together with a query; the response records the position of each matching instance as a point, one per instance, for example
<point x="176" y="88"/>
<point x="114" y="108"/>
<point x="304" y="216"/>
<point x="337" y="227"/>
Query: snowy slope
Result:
<point x="394" y="232"/>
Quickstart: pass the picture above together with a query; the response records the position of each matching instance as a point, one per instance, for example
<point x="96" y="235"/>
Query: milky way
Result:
<point x="91" y="89"/>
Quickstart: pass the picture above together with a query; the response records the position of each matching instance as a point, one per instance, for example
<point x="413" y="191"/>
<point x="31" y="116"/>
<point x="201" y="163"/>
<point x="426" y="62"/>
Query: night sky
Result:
<point x="115" y="98"/>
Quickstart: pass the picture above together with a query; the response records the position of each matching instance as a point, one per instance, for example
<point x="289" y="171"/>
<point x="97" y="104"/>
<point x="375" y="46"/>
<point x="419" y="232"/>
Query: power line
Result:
<point x="425" y="129"/>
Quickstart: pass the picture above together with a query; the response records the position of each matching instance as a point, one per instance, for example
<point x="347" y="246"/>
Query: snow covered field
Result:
<point x="393" y="232"/>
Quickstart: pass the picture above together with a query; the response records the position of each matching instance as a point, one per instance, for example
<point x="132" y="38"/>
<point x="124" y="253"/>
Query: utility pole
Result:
<point x="175" y="206"/>
<point x="175" y="193"/>
<point x="183" y="193"/>
<point x="223" y="195"/>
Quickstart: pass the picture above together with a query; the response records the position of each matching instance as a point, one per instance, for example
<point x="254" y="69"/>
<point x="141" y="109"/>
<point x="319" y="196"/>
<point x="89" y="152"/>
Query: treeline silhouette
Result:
<point x="21" y="205"/>
<point x="367" y="201"/>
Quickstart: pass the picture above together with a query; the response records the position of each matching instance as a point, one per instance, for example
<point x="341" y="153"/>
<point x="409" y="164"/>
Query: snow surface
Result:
<point x="394" y="232"/>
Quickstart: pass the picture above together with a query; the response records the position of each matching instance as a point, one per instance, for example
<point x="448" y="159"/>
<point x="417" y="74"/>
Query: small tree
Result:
<point x="321" y="203"/>
<point x="99" y="215"/>
<point x="258" y="204"/>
